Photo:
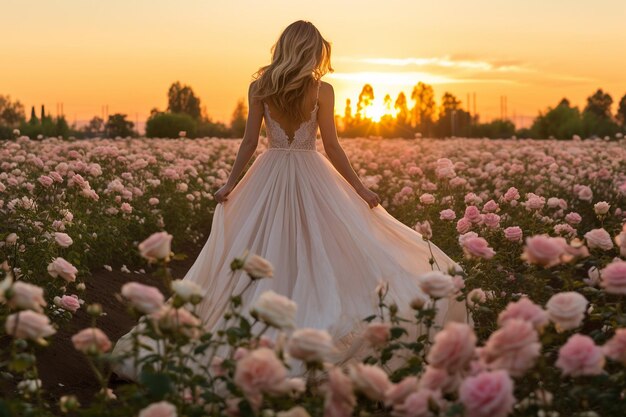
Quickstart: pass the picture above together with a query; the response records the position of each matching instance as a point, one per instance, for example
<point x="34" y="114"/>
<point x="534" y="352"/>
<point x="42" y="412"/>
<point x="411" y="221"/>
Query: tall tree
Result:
<point x="347" y="114"/>
<point x="117" y="125"/>
<point x="366" y="98"/>
<point x="621" y="112"/>
<point x="95" y="127"/>
<point x="181" y="99"/>
<point x="238" y="120"/>
<point x="11" y="112"/>
<point x="599" y="103"/>
<point x="423" y="96"/>
<point x="402" y="110"/>
<point x="33" y="116"/>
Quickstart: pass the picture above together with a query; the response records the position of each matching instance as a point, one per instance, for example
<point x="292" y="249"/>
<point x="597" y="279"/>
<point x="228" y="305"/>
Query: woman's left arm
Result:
<point x="248" y="145"/>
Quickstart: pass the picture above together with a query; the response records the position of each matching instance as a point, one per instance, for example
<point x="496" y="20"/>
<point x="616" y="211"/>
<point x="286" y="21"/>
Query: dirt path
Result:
<point x="63" y="369"/>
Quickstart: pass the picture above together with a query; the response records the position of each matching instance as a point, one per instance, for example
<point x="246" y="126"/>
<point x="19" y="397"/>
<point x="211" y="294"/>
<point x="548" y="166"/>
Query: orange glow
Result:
<point x="126" y="54"/>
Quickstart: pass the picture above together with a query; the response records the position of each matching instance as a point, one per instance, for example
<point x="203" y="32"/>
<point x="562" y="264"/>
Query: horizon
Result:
<point x="126" y="55"/>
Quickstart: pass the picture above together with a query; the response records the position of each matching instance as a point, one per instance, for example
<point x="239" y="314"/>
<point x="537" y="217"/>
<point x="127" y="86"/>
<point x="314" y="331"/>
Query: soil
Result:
<point x="63" y="370"/>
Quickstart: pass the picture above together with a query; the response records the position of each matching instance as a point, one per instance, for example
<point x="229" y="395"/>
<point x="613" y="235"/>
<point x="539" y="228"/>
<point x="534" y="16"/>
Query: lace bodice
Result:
<point x="304" y="137"/>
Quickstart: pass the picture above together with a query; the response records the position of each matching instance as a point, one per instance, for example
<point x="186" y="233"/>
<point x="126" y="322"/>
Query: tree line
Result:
<point x="425" y="119"/>
<point x="184" y="116"/>
<point x="418" y="116"/>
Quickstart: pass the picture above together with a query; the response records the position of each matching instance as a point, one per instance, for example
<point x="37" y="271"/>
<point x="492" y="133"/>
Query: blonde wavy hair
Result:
<point x="300" y="58"/>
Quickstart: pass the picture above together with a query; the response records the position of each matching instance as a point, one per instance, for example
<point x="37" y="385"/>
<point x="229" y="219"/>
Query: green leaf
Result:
<point x="158" y="384"/>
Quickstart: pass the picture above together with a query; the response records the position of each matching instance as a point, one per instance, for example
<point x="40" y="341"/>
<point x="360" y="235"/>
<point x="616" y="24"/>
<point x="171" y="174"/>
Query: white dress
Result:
<point x="329" y="249"/>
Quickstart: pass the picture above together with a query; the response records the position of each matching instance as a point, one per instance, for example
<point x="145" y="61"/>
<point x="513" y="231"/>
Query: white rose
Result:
<point x="436" y="284"/>
<point x="257" y="267"/>
<point x="566" y="310"/>
<point x="157" y="246"/>
<point x="601" y="208"/>
<point x="63" y="239"/>
<point x="186" y="290"/>
<point x="311" y="345"/>
<point x="275" y="310"/>
<point x="27" y="296"/>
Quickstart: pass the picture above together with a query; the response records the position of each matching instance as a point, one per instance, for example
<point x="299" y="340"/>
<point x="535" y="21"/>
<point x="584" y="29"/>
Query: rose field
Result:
<point x="96" y="234"/>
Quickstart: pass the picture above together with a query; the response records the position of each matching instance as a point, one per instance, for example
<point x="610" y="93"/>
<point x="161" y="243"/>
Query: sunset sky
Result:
<point x="126" y="53"/>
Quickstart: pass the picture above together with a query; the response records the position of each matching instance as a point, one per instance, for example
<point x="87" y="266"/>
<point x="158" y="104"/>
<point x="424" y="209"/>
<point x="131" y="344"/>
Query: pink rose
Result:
<point x="477" y="247"/>
<point x="25" y="296"/>
<point x="453" y="347"/>
<point x="340" y="399"/>
<point x="436" y="284"/>
<point x="514" y="347"/>
<point x="573" y="218"/>
<point x="613" y="277"/>
<point x="179" y="320"/>
<point x="463" y="225"/>
<point x="491" y="207"/>
<point x="157" y="246"/>
<point x="473" y="214"/>
<point x="260" y="371"/>
<point x="59" y="267"/>
<point x="160" y="409"/>
<point x="144" y="298"/>
<point x="526" y="310"/>
<point x="45" y="180"/>
<point x="447" y="214"/>
<point x="397" y="393"/>
<point x="488" y="394"/>
<point x="63" y="239"/>
<point x="534" y="202"/>
<point x="513" y="234"/>
<point x="439" y="380"/>
<point x="583" y="192"/>
<point x="491" y="220"/>
<point x="620" y="240"/>
<point x="511" y="194"/>
<point x="599" y="238"/>
<point x="566" y="310"/>
<point x="91" y="339"/>
<point x="68" y="302"/>
<point x="417" y="404"/>
<point x="427" y="199"/>
<point x="615" y="348"/>
<point x="580" y="356"/>
<point x="377" y="334"/>
<point x="370" y="380"/>
<point x="424" y="229"/>
<point x="544" y="250"/>
<point x="28" y="324"/>
<point x="311" y="345"/>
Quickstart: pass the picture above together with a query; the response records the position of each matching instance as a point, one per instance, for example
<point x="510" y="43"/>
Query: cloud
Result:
<point x="401" y="78"/>
<point x="446" y="61"/>
<point x="455" y="69"/>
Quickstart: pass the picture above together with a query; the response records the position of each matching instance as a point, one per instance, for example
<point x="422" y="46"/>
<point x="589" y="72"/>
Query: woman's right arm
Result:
<point x="247" y="148"/>
<point x="336" y="154"/>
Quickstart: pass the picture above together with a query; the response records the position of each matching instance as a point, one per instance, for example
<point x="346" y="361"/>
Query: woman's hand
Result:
<point x="369" y="196"/>
<point x="221" y="194"/>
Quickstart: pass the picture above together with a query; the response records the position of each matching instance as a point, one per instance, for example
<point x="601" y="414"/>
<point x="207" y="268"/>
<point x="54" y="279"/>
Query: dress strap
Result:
<point x="319" y="82"/>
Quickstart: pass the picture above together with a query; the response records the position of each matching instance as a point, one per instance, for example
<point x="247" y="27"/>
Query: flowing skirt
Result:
<point x="329" y="250"/>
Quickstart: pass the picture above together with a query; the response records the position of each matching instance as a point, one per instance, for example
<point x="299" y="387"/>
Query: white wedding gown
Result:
<point x="329" y="249"/>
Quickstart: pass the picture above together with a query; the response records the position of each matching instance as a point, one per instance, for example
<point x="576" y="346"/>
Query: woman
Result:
<point x="327" y="237"/>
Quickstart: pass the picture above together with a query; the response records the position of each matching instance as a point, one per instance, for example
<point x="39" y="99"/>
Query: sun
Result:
<point x="375" y="112"/>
